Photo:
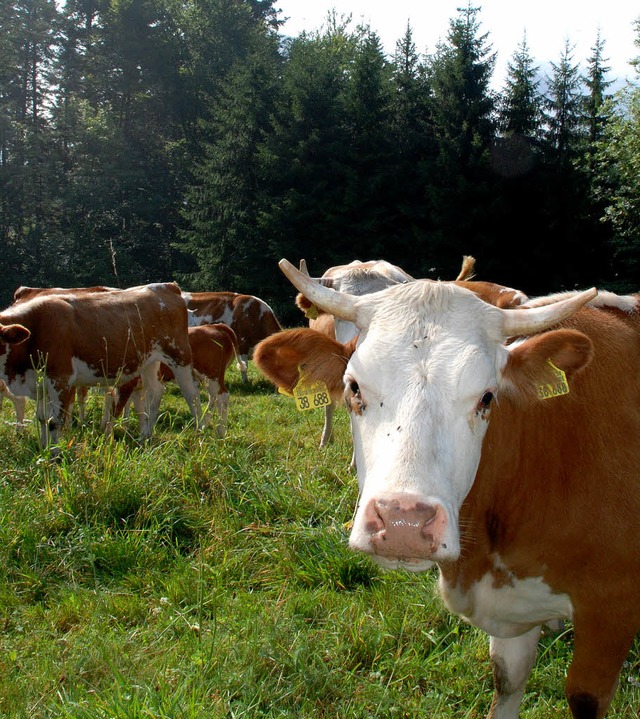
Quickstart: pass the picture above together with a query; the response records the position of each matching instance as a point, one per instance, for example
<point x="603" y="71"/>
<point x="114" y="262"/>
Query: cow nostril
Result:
<point x="427" y="512"/>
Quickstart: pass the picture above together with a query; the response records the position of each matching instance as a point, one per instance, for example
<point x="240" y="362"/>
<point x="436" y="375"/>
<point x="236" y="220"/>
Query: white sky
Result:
<point x="548" y="23"/>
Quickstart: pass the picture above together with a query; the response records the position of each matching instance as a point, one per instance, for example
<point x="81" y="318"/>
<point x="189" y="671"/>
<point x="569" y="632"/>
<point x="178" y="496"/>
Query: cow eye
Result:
<point x="352" y="396"/>
<point x="485" y="402"/>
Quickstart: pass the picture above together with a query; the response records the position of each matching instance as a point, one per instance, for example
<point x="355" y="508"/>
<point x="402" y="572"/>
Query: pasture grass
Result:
<point x="199" y="578"/>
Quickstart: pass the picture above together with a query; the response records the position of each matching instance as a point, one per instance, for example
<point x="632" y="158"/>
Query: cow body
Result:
<point x="471" y="455"/>
<point x="62" y="341"/>
<point x="249" y="317"/>
<point x="212" y="347"/>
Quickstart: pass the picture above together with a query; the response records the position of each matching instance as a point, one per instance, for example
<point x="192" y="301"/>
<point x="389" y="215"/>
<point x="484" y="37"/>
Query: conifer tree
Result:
<point x="462" y="112"/>
<point x="520" y="107"/>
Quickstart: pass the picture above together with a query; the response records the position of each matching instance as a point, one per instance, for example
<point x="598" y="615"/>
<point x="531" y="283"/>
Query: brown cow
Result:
<point x="503" y="445"/>
<point x="213" y="347"/>
<point x="249" y="317"/>
<point x="24" y="293"/>
<point x="61" y="341"/>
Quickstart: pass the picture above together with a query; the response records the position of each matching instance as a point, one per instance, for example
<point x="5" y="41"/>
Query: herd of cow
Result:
<point x="496" y="436"/>
<point x="57" y="342"/>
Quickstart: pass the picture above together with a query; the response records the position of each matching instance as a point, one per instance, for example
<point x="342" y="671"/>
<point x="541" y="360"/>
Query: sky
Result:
<point x="547" y="23"/>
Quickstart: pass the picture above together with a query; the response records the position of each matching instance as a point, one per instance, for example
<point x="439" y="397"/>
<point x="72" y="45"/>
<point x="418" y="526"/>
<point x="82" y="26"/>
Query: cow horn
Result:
<point x="303" y="268"/>
<point x="468" y="266"/>
<point x="340" y="304"/>
<point x="536" y="319"/>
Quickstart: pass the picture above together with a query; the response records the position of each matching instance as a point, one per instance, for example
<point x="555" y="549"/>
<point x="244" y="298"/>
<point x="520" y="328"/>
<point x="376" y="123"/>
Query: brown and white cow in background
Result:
<point x="212" y="347"/>
<point x="24" y="293"/>
<point x="249" y="317"/>
<point x="52" y="344"/>
<point x="503" y="445"/>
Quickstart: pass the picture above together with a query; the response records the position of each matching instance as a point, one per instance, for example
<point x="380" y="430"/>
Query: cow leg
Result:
<point x="81" y="401"/>
<point x="512" y="661"/>
<point x="600" y="649"/>
<point x="328" y="424"/>
<point x="219" y="398"/>
<point x="51" y="403"/>
<point x="153" y="389"/>
<point x="242" y="367"/>
<point x="108" y="411"/>
<point x="20" y="405"/>
<point x="190" y="391"/>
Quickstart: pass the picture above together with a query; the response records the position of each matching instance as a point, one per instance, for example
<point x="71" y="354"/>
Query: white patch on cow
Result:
<point x="22" y="385"/>
<point x="83" y="373"/>
<point x="226" y="317"/>
<point x="509" y="607"/>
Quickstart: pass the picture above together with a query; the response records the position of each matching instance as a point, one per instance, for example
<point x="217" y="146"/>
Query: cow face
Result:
<point x="420" y="387"/>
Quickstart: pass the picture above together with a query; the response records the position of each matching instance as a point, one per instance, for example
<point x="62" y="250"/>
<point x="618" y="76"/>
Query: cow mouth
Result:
<point x="410" y="564"/>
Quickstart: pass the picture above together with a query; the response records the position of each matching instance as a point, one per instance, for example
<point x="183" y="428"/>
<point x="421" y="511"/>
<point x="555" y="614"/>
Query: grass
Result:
<point x="199" y="578"/>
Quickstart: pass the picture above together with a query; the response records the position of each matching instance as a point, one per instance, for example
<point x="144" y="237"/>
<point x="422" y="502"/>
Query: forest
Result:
<point x="155" y="140"/>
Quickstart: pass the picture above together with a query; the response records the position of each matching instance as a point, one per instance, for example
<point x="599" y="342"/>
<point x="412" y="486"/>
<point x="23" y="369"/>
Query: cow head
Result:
<point x="430" y="361"/>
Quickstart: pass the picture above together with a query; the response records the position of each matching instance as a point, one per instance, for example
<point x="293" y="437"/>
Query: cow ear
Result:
<point x="284" y="356"/>
<point x="531" y="361"/>
<point x="14" y="334"/>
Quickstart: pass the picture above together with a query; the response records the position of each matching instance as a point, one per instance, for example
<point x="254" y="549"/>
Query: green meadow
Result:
<point x="206" y="578"/>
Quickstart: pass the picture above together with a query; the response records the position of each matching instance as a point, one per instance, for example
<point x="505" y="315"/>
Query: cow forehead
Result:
<point x="444" y="330"/>
<point x="426" y="310"/>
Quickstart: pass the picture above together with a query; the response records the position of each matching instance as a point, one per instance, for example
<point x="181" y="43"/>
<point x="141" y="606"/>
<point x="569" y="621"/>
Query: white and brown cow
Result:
<point x="51" y="344"/>
<point x="24" y="293"/>
<point x="249" y="317"/>
<point x="502" y="445"/>
<point x="212" y="347"/>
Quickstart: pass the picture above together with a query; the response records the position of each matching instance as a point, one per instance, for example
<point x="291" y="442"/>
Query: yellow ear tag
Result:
<point x="312" y="313"/>
<point x="310" y="395"/>
<point x="557" y="387"/>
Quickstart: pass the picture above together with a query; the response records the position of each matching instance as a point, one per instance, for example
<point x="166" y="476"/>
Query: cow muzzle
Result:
<point x="402" y="529"/>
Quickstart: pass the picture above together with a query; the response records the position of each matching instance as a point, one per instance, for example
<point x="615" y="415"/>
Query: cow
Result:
<point x="503" y="446"/>
<point x="249" y="317"/>
<point x="24" y="293"/>
<point x="52" y="344"/>
<point x="213" y="346"/>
